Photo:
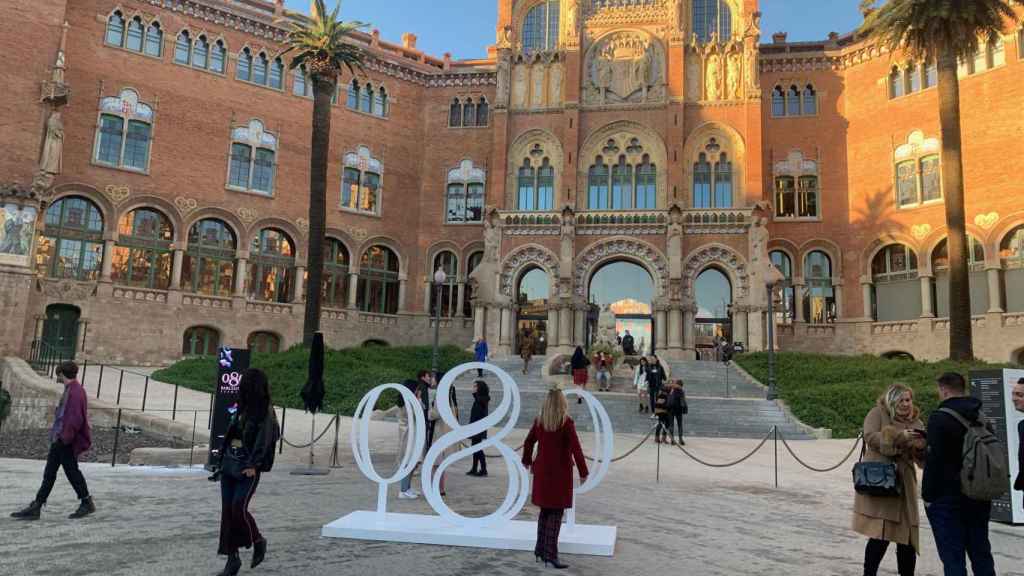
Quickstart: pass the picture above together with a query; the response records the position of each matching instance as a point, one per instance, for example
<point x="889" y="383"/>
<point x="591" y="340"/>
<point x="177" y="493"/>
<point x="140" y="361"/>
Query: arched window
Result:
<point x="646" y="185"/>
<point x="465" y="201"/>
<point x="896" y="285"/>
<point x="810" y="105"/>
<point x="931" y="178"/>
<point x="123" y="137"/>
<point x="272" y="267"/>
<point x="143" y="253"/>
<point x="115" y="29"/>
<point x="218" y="55"/>
<point x="527" y="187"/>
<point x="778" y="102"/>
<point x="913" y="78"/>
<point x="136" y="32"/>
<point x="276" y="80"/>
<point x="931" y="74"/>
<point x="702" y="182"/>
<point x="380" y="103"/>
<point x="252" y="162"/>
<point x="260" y="64"/>
<point x="455" y="114"/>
<point x="352" y="102"/>
<point x="154" y="40"/>
<point x="723" y="182"/>
<point x="782" y="261"/>
<point x="630" y="183"/>
<point x="467" y="305"/>
<point x="264" y="342"/>
<point x="448" y="293"/>
<point x="793" y="101"/>
<point x="71" y="243"/>
<point x="785" y="196"/>
<point x="540" y="28"/>
<point x="336" y="270"/>
<point x="378" y="281"/>
<point x="712" y="16"/>
<point x="469" y="113"/>
<point x="977" y="278"/>
<point x="545" y="186"/>
<point x="209" y="263"/>
<point x="244" y="69"/>
<point x="366" y="102"/>
<point x="598" y="178"/>
<point x="1011" y="255"/>
<point x="918" y="175"/>
<point x="361" y="182"/>
<point x="622" y="185"/>
<point x="482" y="112"/>
<point x="201" y="53"/>
<point x="796" y="187"/>
<point x="895" y="83"/>
<point x="819" y="296"/>
<point x="183" y="48"/>
<point x="301" y="84"/>
<point x="200" y="341"/>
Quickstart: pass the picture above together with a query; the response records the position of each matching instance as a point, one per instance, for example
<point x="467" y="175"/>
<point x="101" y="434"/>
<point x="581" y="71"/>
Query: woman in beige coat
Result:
<point x="893" y="432"/>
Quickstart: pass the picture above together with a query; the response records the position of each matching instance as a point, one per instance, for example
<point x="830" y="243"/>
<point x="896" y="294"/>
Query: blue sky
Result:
<point x="466" y="27"/>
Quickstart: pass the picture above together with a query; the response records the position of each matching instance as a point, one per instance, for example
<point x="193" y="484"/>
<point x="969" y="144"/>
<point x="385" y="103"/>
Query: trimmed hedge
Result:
<point x="838" y="391"/>
<point x="348" y="374"/>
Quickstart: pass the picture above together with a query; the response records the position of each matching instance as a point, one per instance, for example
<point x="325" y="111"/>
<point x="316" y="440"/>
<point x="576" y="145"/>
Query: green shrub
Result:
<point x="348" y="373"/>
<point x="838" y="391"/>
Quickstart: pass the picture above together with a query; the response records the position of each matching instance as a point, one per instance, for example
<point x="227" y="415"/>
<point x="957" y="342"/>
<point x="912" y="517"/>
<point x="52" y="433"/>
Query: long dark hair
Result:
<point x="254" y="394"/>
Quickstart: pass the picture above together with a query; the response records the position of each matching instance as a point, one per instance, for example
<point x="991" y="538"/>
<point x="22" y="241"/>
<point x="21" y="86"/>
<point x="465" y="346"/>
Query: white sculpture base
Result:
<point x="515" y="535"/>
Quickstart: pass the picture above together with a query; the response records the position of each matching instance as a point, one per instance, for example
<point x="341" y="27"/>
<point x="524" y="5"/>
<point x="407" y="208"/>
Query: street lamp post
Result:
<point x="439" y="279"/>
<point x="772" y="395"/>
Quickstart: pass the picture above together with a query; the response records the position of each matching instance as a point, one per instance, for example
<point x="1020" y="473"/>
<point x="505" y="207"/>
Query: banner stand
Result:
<point x="995" y="390"/>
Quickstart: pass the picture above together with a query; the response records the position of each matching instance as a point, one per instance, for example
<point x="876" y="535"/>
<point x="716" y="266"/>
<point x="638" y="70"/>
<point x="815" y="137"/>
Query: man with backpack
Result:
<point x="964" y="471"/>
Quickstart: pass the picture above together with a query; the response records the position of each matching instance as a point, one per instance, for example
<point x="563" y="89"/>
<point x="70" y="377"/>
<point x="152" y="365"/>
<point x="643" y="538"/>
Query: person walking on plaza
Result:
<point x="558" y="448"/>
<point x="481" y="399"/>
<point x="70" y="436"/>
<point x="247" y="452"/>
<point x="661" y="411"/>
<point x="677" y="406"/>
<point x="640" y="383"/>
<point x="893" y="433"/>
<point x="481" y="353"/>
<point x="405" y="491"/>
<point x="655" y="380"/>
<point x="1018" y="403"/>
<point x="959" y="523"/>
<point x="526" y="349"/>
<point x="628" y="344"/>
<point x="603" y="368"/>
<point x="579" y="364"/>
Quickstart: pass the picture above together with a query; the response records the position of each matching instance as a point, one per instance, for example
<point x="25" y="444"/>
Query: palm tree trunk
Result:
<point x="323" y="89"/>
<point x="960" y="345"/>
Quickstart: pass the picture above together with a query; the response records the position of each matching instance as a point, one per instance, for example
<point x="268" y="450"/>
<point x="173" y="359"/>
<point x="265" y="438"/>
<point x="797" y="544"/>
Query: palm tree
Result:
<point x="944" y="31"/>
<point x="321" y="44"/>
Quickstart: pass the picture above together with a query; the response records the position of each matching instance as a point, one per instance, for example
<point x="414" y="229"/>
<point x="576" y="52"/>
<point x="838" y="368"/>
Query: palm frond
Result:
<point x="326" y="39"/>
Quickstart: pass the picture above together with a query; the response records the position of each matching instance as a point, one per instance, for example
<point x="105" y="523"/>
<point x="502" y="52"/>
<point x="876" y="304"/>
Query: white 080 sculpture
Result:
<point x="495" y="530"/>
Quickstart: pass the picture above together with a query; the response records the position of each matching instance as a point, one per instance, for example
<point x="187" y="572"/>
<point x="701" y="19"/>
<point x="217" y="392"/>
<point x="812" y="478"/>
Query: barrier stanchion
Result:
<point x="192" y="444"/>
<point x="145" y="392"/>
<point x="174" y="408"/>
<point x="99" y="385"/>
<point x="209" y="421"/>
<point x="117" y="436"/>
<point x="657" y="472"/>
<point x="120" y="383"/>
<point x="284" y="412"/>
<point x="775" y="432"/>
<point x="337" y="433"/>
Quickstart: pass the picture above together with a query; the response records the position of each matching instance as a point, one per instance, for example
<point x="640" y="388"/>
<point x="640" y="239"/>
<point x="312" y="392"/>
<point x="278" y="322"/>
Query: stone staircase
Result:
<point x="744" y="414"/>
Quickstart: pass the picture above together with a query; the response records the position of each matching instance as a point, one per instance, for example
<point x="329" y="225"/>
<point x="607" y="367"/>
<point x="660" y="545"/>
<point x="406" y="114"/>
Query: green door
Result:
<point x="60" y="330"/>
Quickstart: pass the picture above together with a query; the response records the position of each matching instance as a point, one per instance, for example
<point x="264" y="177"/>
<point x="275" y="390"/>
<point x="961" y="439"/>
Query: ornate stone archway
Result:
<point x="727" y="260"/>
<point x="631" y="249"/>
<point x="522" y="258"/>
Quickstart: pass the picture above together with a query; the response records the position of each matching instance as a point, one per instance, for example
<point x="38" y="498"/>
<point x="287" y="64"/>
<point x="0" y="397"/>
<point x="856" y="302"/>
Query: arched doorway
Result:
<point x="622" y="293"/>
<point x="532" y="294"/>
<point x="713" y="293"/>
<point x="60" y="329"/>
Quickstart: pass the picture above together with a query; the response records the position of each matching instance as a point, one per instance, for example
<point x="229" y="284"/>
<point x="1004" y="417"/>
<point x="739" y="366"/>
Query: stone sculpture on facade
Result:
<point x="712" y="78"/>
<point x="735" y="71"/>
<point x="504" y="71"/>
<point x="51" y="159"/>
<point x="483" y="278"/>
<point x="624" y="67"/>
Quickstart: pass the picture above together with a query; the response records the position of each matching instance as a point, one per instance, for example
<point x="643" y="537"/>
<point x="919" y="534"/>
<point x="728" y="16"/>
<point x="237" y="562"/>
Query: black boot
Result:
<point x="31" y="512"/>
<point x="555" y="564"/>
<point x="84" y="509"/>
<point x="259" y="552"/>
<point x="233" y="565"/>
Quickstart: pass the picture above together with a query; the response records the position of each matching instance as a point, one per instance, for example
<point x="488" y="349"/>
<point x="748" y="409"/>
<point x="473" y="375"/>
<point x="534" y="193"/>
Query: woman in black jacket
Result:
<point x="481" y="398"/>
<point x="248" y="451"/>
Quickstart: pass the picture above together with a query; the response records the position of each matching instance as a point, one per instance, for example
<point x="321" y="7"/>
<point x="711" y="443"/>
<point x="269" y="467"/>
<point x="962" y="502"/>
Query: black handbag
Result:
<point x="876" y="478"/>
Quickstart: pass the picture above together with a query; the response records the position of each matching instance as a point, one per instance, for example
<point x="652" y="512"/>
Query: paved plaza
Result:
<point x="697" y="520"/>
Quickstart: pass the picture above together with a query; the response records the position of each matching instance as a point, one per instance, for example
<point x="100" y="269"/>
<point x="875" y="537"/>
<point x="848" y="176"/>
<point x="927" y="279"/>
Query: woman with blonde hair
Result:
<point x="558" y="447"/>
<point x="893" y="432"/>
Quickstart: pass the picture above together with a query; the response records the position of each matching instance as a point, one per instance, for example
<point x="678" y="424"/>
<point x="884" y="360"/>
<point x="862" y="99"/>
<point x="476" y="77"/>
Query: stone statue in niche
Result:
<point x="572" y="21"/>
<point x="624" y="67"/>
<point x="713" y="78"/>
<point x="537" y="80"/>
<point x="567" y="242"/>
<point x="762" y="271"/>
<point x="504" y="37"/>
<point x="519" y="86"/>
<point x="555" y="85"/>
<point x="735" y="71"/>
<point x="693" y="82"/>
<point x="504" y="71"/>
<point x="484" y="278"/>
<point x="51" y="159"/>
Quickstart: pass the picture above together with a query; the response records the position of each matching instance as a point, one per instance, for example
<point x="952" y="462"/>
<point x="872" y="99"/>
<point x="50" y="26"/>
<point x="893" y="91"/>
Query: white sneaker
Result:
<point x="408" y="495"/>
<point x="413" y="493"/>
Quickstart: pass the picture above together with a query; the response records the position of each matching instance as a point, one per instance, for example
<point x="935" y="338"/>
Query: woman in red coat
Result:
<point x="559" y="446"/>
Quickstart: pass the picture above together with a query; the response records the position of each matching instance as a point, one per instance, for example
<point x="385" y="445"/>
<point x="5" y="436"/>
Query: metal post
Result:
<point x="437" y="327"/>
<point x="657" y="473"/>
<point x="174" y="408"/>
<point x="192" y="445"/>
<point x="337" y="433"/>
<point x="145" y="392"/>
<point x="99" y="385"/>
<point x="284" y="412"/>
<point x="775" y="431"/>
<point x="209" y="421"/>
<point x="117" y="436"/>
<point x="85" y="367"/>
<point x="772" y="394"/>
<point x="120" y="382"/>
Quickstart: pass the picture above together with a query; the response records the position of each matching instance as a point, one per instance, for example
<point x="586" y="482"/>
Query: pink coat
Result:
<point x="75" y="431"/>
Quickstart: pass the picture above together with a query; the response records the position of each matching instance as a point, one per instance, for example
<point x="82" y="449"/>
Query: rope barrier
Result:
<point x="330" y="423"/>
<point x="856" y="442"/>
<point x="730" y="464"/>
<point x="631" y="450"/>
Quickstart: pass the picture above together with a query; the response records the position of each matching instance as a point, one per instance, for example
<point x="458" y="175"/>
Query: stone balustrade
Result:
<point x="717" y="221"/>
<point x="334" y="314"/>
<point x="268" y="307"/>
<point x="902" y="326"/>
<point x="140" y="294"/>
<point x="531" y="223"/>
<point x="382" y="319"/>
<point x="943" y="323"/>
<point x="621" y="222"/>
<point x="215" y="302"/>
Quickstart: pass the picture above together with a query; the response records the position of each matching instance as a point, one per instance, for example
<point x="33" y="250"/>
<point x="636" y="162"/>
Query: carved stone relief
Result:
<point x="721" y="255"/>
<point x="624" y="67"/>
<point x="537" y="91"/>
<point x="593" y="256"/>
<point x="525" y="256"/>
<point x="519" y="85"/>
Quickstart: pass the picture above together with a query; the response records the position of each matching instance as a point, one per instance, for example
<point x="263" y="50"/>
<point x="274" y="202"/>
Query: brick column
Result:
<point x="995" y="290"/>
<point x="865" y="286"/>
<point x="179" y="256"/>
<point x="240" y="273"/>
<point x="461" y="302"/>
<point x="927" y="309"/>
<point x="402" y="283"/>
<point x="353" y="289"/>
<point x="798" y="299"/>
<point x="837" y="288"/>
<point x="108" y="260"/>
<point x="299" y="295"/>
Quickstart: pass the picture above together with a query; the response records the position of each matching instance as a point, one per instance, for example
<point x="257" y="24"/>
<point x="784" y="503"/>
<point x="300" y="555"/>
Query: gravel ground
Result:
<point x="33" y="444"/>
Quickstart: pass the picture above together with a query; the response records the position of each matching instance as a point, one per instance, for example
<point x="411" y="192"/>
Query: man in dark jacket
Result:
<point x="959" y="523"/>
<point x="1018" y="403"/>
<point x="628" y="344"/>
<point x="70" y="436"/>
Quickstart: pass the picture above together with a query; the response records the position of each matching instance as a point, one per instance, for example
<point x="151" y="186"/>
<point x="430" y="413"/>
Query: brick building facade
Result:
<point x="157" y="170"/>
